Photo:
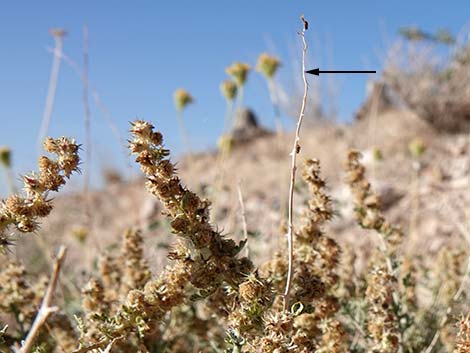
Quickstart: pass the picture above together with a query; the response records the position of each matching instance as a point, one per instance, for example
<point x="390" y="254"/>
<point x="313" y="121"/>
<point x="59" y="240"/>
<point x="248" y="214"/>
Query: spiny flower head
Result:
<point x="268" y="65"/>
<point x="182" y="98"/>
<point x="382" y="319"/>
<point x="463" y="337"/>
<point x="23" y="211"/>
<point x="239" y="72"/>
<point x="229" y="90"/>
<point x="367" y="202"/>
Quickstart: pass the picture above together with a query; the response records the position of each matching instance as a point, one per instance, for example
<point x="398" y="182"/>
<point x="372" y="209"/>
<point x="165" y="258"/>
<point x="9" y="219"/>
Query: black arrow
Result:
<point x="317" y="72"/>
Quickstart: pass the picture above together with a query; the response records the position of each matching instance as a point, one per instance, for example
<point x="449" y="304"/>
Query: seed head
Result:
<point x="417" y="148"/>
<point x="268" y="65"/>
<point x="5" y="156"/>
<point x="239" y="72"/>
<point x="229" y="89"/>
<point x="182" y="99"/>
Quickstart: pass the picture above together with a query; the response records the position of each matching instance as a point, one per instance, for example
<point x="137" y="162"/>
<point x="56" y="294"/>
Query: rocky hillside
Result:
<point x="428" y="195"/>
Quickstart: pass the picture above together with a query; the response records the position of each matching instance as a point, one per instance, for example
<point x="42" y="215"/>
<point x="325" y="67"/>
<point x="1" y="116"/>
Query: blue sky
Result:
<point x="141" y="51"/>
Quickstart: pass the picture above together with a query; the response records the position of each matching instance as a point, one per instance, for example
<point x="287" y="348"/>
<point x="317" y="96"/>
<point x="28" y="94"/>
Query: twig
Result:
<point x="91" y="347"/>
<point x="98" y="346"/>
<point x="58" y="35"/>
<point x="294" y="152"/>
<point x="108" y="347"/>
<point x="45" y="309"/>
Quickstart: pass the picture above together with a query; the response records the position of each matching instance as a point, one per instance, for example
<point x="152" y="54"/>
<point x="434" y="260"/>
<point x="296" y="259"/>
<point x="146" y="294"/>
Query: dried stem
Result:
<point x="242" y="208"/>
<point x="93" y="346"/>
<point x="99" y="103"/>
<point x="58" y="35"/>
<point x="183" y="132"/>
<point x="46" y="309"/>
<point x="274" y="99"/>
<point x="10" y="180"/>
<point x="293" y="154"/>
<point x="86" y="106"/>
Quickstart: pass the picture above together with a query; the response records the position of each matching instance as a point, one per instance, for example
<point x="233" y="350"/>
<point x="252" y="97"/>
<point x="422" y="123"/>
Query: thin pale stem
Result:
<point x="86" y="106"/>
<point x="53" y="79"/>
<point x="101" y="106"/>
<point x="10" y="180"/>
<point x="184" y="134"/>
<point x="243" y="212"/>
<point x="228" y="121"/>
<point x="274" y="99"/>
<point x="45" y="309"/>
<point x="293" y="154"/>
<point x="415" y="202"/>
<point x="240" y="95"/>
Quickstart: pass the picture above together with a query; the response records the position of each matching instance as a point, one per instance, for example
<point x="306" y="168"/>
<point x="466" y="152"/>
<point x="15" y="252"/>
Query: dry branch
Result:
<point x="293" y="154"/>
<point x="46" y="309"/>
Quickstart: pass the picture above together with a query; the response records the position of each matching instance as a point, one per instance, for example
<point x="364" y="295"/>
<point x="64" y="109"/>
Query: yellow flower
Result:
<point x="228" y="89"/>
<point x="267" y="65"/>
<point x="182" y="98"/>
<point x="239" y="72"/>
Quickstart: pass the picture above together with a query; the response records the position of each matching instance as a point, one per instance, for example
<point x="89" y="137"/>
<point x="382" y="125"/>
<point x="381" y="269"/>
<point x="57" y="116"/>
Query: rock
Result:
<point x="380" y="98"/>
<point x="246" y="126"/>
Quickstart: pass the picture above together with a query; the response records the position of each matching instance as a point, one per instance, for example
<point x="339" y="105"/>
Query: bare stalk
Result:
<point x="86" y="106"/>
<point x="293" y="154"/>
<point x="242" y="209"/>
<point x="10" y="180"/>
<point x="58" y="35"/>
<point x="274" y="99"/>
<point x="228" y="121"/>
<point x="224" y="150"/>
<point x="46" y="309"/>
<point x="184" y="133"/>
<point x="99" y="103"/>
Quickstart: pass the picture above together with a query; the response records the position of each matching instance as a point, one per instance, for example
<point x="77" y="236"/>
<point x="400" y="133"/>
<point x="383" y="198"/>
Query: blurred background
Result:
<point x="140" y="52"/>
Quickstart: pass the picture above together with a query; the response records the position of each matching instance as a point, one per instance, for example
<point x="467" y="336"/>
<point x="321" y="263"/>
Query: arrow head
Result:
<point x="314" y="72"/>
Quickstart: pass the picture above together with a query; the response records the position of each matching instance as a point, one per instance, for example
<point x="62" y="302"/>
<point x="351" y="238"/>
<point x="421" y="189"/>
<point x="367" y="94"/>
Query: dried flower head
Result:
<point x="80" y="234"/>
<point x="463" y="337"/>
<point x="239" y="72"/>
<point x="229" y="89"/>
<point x="417" y="148"/>
<point x="23" y="211"/>
<point x="182" y="98"/>
<point x="200" y="264"/>
<point x="5" y="156"/>
<point x="58" y="32"/>
<point x="367" y="202"/>
<point x="268" y="65"/>
<point x="377" y="154"/>
<point x="382" y="319"/>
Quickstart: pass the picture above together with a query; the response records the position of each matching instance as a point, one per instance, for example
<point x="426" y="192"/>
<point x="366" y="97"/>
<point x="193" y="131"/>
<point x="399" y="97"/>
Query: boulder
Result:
<point x="246" y="126"/>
